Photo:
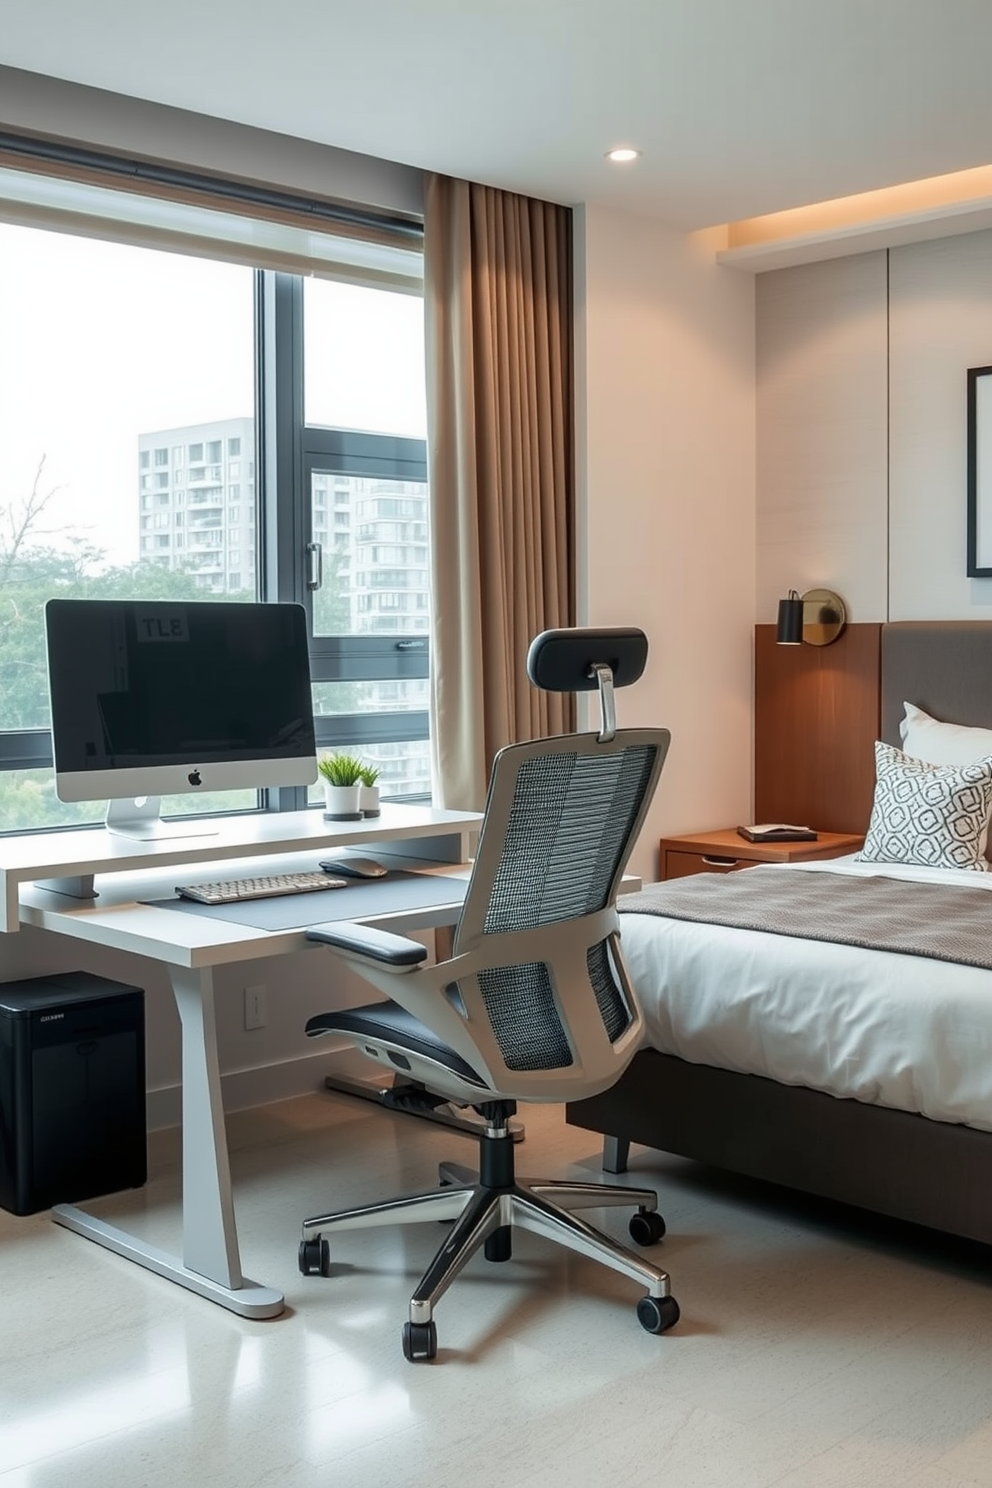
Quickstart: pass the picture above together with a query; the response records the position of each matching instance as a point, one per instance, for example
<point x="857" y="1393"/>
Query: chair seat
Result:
<point x="392" y="1024"/>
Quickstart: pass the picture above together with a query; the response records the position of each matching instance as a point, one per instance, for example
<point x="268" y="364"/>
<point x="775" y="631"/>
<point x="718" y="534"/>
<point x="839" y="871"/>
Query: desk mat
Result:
<point x="357" y="901"/>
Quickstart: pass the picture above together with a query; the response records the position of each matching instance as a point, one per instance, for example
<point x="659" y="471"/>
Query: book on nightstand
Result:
<point x="777" y="832"/>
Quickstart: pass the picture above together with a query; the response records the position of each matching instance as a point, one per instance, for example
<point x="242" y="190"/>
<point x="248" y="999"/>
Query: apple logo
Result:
<point x="194" y="777"/>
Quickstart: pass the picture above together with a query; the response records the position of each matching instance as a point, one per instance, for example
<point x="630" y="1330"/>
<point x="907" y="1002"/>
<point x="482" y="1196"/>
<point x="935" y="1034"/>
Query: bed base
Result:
<point x="890" y="1162"/>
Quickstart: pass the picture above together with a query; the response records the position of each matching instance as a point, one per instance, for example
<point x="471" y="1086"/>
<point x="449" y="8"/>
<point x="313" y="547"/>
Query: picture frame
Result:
<point x="980" y="472"/>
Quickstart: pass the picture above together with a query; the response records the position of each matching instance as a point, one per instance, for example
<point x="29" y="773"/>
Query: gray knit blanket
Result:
<point x="942" y="921"/>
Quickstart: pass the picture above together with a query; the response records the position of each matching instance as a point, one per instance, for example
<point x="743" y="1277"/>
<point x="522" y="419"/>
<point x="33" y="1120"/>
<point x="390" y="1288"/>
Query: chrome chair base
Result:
<point x="484" y="1215"/>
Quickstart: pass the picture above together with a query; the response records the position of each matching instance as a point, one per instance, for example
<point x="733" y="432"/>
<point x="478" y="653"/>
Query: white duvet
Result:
<point x="891" y="1030"/>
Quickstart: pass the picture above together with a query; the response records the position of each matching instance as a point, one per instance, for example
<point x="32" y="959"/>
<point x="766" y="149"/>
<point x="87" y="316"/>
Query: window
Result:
<point x="89" y="526"/>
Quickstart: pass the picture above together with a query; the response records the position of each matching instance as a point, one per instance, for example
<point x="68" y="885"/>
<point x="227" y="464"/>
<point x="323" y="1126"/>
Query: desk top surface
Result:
<point x="45" y="855"/>
<point x="120" y="918"/>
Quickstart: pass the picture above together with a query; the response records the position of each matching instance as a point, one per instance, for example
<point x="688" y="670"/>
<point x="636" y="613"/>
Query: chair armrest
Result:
<point x="365" y="940"/>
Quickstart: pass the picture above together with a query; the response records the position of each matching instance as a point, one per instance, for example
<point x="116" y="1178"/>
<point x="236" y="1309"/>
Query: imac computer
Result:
<point x="158" y="697"/>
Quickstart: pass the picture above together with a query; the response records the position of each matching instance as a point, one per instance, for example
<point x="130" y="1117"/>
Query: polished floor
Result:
<point x="816" y="1349"/>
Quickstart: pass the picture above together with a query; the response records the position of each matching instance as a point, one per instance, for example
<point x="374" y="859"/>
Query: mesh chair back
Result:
<point x="561" y="820"/>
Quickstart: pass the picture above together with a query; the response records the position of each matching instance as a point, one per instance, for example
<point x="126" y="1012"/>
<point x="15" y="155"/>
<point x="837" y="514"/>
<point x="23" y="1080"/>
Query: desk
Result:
<point x="190" y="946"/>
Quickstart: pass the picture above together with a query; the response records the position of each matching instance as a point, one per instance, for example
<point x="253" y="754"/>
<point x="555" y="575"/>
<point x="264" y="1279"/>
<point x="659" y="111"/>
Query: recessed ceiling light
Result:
<point x="622" y="154"/>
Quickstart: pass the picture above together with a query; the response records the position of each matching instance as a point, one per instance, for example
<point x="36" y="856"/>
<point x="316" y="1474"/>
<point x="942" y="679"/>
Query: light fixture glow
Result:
<point x="622" y="154"/>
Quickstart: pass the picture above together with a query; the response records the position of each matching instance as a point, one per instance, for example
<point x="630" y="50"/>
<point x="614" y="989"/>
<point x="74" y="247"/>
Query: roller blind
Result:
<point x="50" y="185"/>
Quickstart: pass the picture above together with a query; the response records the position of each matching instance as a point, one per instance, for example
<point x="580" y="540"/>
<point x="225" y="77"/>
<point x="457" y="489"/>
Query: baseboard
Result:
<point x="248" y="1087"/>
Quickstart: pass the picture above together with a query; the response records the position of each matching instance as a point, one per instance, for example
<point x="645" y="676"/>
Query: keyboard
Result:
<point x="234" y="890"/>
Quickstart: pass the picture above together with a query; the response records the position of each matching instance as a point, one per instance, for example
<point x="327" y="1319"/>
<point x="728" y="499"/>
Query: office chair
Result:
<point x="535" y="1003"/>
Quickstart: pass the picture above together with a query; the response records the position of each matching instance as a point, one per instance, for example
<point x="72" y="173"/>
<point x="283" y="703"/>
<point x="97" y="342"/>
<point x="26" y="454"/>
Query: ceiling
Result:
<point x="740" y="107"/>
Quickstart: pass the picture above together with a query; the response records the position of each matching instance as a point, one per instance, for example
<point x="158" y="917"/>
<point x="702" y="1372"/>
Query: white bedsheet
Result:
<point x="887" y="1029"/>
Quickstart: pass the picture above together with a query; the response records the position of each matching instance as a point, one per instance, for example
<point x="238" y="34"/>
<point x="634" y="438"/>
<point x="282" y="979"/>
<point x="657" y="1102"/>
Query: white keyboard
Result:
<point x="232" y="891"/>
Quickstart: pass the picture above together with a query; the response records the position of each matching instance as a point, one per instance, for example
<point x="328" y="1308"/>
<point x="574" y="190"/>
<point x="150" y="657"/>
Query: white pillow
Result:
<point x="939" y="743"/>
<point x="931" y="815"/>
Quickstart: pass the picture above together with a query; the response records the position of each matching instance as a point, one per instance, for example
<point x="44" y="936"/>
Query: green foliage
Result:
<point x="370" y="774"/>
<point x="44" y="574"/>
<point x="341" y="769"/>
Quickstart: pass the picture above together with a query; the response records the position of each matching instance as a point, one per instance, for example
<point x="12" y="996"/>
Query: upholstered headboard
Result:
<point x="943" y="666"/>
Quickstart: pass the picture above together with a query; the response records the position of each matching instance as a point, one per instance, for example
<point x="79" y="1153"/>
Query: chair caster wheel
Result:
<point x="419" y="1342"/>
<point x="646" y="1227"/>
<point x="315" y="1257"/>
<point x="657" y="1314"/>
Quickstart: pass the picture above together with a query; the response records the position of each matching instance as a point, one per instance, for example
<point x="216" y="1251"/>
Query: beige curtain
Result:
<point x="498" y="304"/>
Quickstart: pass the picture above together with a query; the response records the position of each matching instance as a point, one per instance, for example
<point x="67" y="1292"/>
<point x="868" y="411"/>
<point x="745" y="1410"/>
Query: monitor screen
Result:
<point x="156" y="697"/>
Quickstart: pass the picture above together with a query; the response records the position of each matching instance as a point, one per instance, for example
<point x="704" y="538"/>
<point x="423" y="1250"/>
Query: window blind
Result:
<point x="69" y="189"/>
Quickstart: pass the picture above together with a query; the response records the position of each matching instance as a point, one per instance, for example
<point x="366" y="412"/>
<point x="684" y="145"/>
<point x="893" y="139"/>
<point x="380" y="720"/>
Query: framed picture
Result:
<point x="980" y="472"/>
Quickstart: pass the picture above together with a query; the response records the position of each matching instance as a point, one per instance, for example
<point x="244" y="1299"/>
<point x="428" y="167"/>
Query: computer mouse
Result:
<point x="354" y="867"/>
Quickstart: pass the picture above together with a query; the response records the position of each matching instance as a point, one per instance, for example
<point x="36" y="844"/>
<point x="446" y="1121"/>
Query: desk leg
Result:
<point x="210" y="1263"/>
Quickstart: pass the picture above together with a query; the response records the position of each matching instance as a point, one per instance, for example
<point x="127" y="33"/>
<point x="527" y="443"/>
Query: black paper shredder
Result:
<point x="72" y="1090"/>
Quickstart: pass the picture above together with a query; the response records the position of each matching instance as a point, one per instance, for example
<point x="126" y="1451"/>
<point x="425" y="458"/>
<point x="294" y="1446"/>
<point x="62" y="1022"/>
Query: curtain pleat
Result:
<point x="498" y="306"/>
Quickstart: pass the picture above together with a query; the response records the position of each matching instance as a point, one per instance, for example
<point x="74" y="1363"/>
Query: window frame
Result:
<point x="286" y="454"/>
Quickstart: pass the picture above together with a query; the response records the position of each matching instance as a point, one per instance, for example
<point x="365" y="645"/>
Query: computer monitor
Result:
<point x="158" y="697"/>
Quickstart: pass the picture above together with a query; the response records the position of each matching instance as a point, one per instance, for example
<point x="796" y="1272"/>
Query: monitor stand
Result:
<point x="139" y="818"/>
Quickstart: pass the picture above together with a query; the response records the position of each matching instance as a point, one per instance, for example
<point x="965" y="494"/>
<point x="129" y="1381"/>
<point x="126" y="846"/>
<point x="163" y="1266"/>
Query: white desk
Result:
<point x="191" y="945"/>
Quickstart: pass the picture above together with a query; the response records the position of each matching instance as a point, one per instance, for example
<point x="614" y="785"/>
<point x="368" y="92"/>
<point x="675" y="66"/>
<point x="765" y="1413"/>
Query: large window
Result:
<point x="123" y="442"/>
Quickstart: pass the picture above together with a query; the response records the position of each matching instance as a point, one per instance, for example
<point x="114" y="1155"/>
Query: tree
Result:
<point x="32" y="571"/>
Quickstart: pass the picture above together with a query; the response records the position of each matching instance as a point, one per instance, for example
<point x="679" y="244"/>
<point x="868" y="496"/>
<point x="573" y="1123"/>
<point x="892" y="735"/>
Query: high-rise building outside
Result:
<point x="196" y="502"/>
<point x="196" y="515"/>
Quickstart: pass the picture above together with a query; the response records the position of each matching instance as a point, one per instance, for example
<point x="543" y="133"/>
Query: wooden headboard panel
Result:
<point x="819" y="709"/>
<point x="816" y="719"/>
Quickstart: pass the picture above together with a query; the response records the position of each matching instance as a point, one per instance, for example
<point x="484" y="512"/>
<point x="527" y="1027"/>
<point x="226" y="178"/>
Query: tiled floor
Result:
<point x="816" y="1349"/>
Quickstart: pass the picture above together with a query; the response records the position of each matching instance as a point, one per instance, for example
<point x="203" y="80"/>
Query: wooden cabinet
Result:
<point x="723" y="851"/>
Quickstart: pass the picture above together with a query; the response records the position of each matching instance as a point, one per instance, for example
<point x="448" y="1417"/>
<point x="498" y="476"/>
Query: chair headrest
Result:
<point x="563" y="660"/>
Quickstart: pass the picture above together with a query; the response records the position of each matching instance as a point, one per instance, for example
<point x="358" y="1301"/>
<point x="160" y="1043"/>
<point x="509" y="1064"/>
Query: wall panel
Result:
<point x="822" y="433"/>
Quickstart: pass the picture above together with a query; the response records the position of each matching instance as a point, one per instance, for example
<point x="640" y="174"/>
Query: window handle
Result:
<point x="315" y="560"/>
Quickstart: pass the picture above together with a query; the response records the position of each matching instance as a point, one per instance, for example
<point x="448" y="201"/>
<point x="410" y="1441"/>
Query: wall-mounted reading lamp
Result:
<point x="816" y="617"/>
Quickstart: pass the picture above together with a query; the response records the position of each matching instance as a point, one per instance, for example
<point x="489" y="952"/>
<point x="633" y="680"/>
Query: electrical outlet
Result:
<point x="255" y="1006"/>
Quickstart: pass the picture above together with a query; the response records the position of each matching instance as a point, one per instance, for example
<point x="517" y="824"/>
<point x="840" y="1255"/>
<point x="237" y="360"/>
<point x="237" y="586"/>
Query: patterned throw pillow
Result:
<point x="932" y="815"/>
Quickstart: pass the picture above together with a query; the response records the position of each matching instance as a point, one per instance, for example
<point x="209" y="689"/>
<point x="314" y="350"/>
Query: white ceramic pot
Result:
<point x="369" y="800"/>
<point x="342" y="802"/>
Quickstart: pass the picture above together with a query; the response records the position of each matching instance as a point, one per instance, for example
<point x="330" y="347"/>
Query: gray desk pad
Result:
<point x="357" y="901"/>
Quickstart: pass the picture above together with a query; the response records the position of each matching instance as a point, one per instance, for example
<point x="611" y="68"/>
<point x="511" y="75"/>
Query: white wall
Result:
<point x="821" y="433"/>
<point x="940" y="324"/>
<point x="665" y="443"/>
<point x="862" y="428"/>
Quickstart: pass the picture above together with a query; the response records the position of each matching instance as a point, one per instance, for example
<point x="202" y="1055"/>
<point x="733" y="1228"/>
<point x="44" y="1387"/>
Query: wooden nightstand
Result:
<point x="723" y="851"/>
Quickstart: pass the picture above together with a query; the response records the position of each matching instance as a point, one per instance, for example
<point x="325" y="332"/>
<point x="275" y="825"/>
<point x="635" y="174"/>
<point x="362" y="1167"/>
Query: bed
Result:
<point x="786" y="1088"/>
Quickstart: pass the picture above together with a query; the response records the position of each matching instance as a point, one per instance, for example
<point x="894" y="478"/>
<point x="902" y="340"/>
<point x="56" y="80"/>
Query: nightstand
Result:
<point x="723" y="851"/>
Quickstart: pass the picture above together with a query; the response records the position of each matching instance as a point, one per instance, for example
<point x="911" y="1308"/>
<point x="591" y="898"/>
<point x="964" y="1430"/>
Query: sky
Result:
<point x="100" y="342"/>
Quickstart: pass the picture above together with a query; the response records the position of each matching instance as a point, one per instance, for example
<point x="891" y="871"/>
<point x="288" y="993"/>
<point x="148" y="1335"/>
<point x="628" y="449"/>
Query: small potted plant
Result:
<point x="369" y="796"/>
<point x="342" y="776"/>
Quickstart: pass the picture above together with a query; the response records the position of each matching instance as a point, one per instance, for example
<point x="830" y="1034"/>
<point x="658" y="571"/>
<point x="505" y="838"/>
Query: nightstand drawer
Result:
<point x="681" y="864"/>
<point x="724" y="851"/>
